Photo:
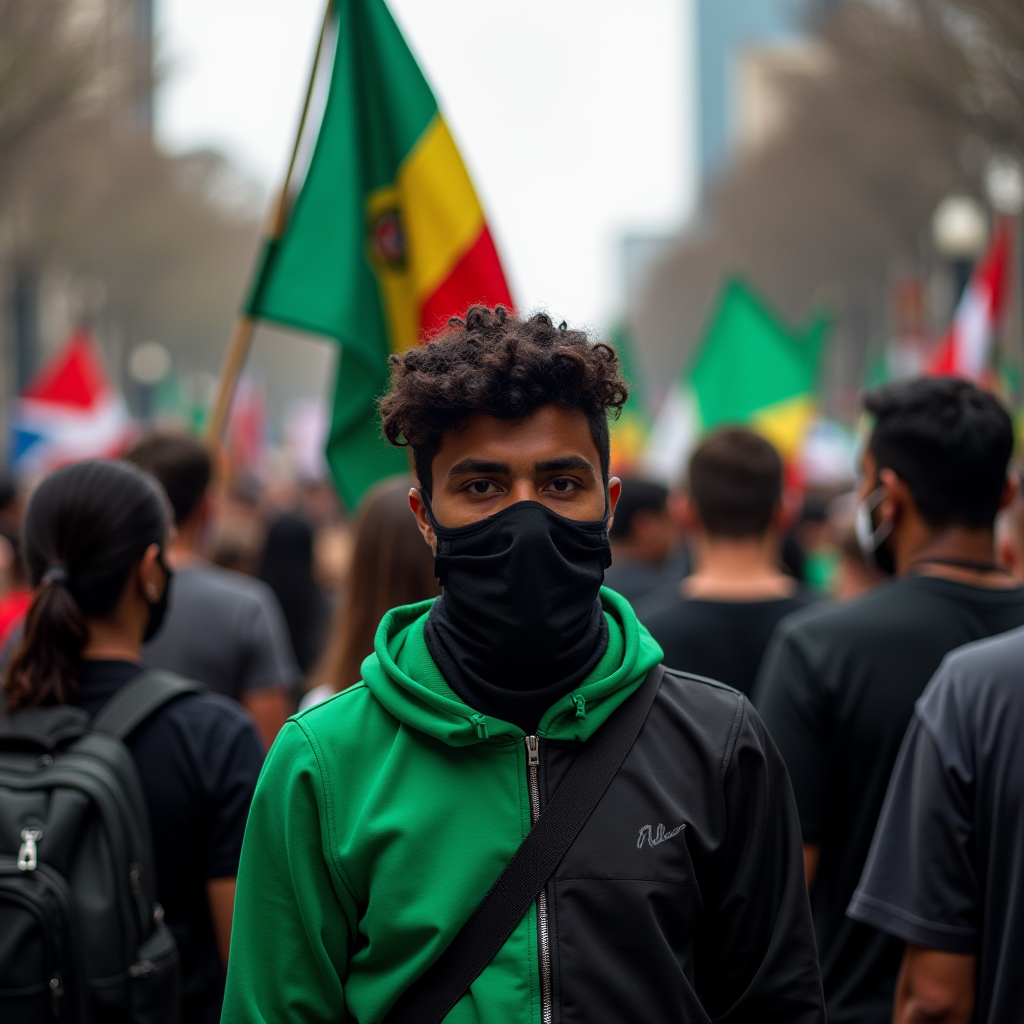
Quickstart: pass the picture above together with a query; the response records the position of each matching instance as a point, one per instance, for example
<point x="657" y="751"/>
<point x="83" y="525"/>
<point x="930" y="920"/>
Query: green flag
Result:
<point x="386" y="238"/>
<point x="748" y="368"/>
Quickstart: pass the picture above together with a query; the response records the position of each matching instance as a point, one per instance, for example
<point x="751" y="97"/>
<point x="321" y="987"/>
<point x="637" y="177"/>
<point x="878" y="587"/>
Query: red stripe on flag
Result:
<point x="961" y="351"/>
<point x="476" y="278"/>
<point x="942" y="361"/>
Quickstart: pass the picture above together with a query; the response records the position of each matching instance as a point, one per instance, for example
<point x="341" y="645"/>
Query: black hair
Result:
<point x="287" y="568"/>
<point x="181" y="464"/>
<point x="950" y="441"/>
<point x="636" y="494"/>
<point x="735" y="482"/>
<point x="497" y="363"/>
<point x="86" y="526"/>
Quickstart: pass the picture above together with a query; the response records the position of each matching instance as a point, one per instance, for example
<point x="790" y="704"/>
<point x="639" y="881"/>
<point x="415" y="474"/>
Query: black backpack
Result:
<point x="82" y="938"/>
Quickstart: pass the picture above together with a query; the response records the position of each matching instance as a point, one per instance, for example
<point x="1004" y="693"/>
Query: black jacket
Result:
<point x="713" y="919"/>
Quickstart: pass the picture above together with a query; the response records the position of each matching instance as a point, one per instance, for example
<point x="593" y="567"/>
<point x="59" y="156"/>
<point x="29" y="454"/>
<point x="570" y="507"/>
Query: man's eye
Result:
<point x="563" y="485"/>
<point x="481" y="486"/>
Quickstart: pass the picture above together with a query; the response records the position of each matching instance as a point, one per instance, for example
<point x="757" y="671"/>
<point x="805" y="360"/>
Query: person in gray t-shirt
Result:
<point x="222" y="628"/>
<point x="226" y="630"/>
<point x="946" y="865"/>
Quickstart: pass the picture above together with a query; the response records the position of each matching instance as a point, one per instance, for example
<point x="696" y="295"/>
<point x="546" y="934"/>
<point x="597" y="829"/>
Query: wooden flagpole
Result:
<point x="245" y="326"/>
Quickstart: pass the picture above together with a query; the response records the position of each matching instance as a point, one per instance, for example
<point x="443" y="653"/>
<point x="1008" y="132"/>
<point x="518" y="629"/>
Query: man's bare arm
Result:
<point x="812" y="851"/>
<point x="221" y="894"/>
<point x="934" y="987"/>
<point x="270" y="707"/>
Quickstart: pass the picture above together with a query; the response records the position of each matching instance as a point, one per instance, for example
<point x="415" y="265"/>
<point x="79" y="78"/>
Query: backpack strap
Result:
<point x="431" y="996"/>
<point x="143" y="696"/>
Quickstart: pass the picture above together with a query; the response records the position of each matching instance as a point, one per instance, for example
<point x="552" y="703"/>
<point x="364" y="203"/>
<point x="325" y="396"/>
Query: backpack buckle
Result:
<point x="28" y="855"/>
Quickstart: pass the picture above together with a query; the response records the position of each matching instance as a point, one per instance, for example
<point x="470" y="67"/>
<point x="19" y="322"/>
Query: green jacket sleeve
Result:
<point x="295" y="918"/>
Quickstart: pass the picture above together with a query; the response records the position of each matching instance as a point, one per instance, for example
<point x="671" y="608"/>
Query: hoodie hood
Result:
<point x="402" y="675"/>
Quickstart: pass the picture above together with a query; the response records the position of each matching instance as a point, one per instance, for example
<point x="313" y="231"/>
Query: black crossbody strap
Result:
<point x="139" y="699"/>
<point x="429" y="998"/>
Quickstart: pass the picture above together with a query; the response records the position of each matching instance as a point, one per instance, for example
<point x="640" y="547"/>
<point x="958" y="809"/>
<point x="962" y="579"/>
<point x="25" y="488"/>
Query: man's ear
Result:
<point x="207" y="506"/>
<point x="898" y="499"/>
<point x="419" y="510"/>
<point x="684" y="512"/>
<point x="1010" y="489"/>
<point x="1007" y="550"/>
<point x="787" y="512"/>
<point x="614" y="493"/>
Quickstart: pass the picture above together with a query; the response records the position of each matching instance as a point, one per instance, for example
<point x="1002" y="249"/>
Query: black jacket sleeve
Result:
<point x="755" y="954"/>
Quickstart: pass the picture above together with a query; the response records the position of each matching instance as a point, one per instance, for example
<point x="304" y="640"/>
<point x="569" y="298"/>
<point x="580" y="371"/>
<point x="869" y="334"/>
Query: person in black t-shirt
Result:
<point x="717" y="621"/>
<point x="94" y="538"/>
<point x="838" y="685"/>
<point x="944" y="870"/>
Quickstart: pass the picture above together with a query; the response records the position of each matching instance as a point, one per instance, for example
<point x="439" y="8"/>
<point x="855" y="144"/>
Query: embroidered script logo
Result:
<point x="655" y="837"/>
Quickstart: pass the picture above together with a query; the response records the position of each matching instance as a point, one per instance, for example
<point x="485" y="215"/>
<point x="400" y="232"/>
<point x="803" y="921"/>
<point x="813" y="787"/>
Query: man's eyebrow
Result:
<point x="564" y="463"/>
<point x="472" y="465"/>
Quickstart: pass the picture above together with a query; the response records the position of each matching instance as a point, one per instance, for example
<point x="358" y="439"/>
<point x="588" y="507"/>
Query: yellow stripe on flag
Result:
<point x="785" y="423"/>
<point x="433" y="204"/>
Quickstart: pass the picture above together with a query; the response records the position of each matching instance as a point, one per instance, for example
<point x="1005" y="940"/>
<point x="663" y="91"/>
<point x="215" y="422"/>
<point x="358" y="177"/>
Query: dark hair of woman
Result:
<point x="86" y="527"/>
<point x="391" y="566"/>
<point x="287" y="568"/>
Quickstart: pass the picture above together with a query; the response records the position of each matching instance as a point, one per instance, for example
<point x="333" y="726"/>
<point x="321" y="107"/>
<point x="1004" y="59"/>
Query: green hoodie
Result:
<point x="381" y="819"/>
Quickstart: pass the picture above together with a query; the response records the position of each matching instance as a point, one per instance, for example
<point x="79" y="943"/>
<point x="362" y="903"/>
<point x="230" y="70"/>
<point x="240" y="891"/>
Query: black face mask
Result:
<point x="158" y="608"/>
<point x="520" y="607"/>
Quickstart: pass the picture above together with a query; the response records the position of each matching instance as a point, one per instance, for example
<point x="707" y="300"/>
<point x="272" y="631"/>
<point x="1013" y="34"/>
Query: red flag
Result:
<point x="966" y="349"/>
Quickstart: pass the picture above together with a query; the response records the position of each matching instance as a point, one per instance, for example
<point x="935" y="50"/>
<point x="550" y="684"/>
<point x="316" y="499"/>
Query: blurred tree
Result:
<point x="836" y="202"/>
<point x="956" y="59"/>
<point x="47" y="63"/>
<point x="97" y="224"/>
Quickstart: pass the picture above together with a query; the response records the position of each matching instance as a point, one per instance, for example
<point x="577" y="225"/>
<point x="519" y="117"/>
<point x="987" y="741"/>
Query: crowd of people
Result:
<point x="819" y="813"/>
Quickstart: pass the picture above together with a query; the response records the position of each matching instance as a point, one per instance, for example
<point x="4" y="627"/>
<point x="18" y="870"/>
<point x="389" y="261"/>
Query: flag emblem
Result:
<point x="387" y="239"/>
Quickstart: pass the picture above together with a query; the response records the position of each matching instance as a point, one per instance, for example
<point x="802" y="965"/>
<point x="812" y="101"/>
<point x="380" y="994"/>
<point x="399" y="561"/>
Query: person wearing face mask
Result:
<point x="839" y="683"/>
<point x="386" y="813"/>
<point x="94" y="539"/>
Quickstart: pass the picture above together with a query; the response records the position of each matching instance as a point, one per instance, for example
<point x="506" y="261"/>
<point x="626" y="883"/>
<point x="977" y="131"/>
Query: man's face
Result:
<point x="549" y="457"/>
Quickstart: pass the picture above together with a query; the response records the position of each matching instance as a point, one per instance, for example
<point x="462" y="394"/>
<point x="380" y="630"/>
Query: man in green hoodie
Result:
<point x="384" y="815"/>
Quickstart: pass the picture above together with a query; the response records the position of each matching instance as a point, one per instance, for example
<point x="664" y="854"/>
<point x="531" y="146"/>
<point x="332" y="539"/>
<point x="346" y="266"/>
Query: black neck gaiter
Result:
<point x="519" y="622"/>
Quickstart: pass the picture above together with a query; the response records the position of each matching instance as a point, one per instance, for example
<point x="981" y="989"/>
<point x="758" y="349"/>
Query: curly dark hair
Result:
<point x="494" y="362"/>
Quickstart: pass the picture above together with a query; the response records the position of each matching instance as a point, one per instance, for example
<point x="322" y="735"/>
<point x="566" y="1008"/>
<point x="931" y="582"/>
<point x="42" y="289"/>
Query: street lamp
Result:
<point x="148" y="364"/>
<point x="960" y="231"/>
<point x="1004" y="185"/>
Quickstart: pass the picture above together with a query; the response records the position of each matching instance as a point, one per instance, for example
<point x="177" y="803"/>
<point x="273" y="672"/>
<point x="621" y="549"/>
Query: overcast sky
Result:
<point x="574" y="117"/>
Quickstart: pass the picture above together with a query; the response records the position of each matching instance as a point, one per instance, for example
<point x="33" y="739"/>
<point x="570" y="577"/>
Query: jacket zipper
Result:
<point x="543" y="936"/>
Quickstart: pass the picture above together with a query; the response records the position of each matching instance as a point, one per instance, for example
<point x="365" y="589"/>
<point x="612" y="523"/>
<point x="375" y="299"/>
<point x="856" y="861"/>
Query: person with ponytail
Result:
<point x="94" y="538"/>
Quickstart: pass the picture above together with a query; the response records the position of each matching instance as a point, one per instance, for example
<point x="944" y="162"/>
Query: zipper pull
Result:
<point x="56" y="986"/>
<point x="532" y="751"/>
<point x="581" y="705"/>
<point x="28" y="855"/>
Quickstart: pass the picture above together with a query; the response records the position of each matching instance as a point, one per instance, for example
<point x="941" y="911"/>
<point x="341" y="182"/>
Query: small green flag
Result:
<point x="749" y="368"/>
